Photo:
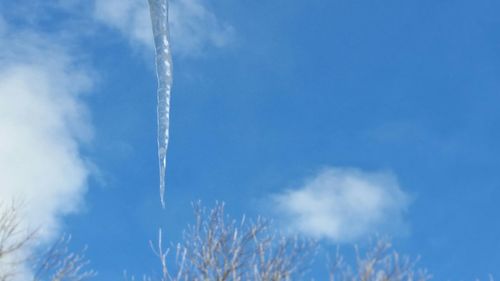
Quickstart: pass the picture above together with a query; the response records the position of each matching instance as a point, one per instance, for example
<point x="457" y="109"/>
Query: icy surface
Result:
<point x="159" y="19"/>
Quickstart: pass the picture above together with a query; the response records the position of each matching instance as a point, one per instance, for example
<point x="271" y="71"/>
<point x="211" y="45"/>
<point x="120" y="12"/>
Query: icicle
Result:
<point x="159" y="19"/>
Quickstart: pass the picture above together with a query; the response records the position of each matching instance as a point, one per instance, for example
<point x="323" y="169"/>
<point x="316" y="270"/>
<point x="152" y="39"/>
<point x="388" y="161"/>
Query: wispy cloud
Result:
<point x="344" y="205"/>
<point x="43" y="123"/>
<point x="194" y="27"/>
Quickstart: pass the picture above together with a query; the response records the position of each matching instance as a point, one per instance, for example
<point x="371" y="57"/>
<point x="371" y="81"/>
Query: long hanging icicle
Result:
<point x="159" y="19"/>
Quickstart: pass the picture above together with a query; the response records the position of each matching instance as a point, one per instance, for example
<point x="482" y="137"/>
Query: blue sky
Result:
<point x="338" y="119"/>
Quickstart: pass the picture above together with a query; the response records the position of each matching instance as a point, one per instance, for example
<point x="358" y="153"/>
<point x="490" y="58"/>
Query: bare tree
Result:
<point x="379" y="263"/>
<point x="13" y="240"/>
<point x="57" y="263"/>
<point x="216" y="248"/>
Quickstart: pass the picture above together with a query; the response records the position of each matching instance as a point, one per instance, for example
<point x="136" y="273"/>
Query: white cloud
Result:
<point x="193" y="26"/>
<point x="42" y="125"/>
<point x="344" y="205"/>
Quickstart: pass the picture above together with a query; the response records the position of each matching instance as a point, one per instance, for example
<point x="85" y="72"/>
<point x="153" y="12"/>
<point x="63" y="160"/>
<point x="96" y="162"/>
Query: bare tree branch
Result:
<point x="17" y="253"/>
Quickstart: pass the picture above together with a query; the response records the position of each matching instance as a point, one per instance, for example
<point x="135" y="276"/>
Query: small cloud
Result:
<point x="193" y="26"/>
<point x="130" y="17"/>
<point x="344" y="205"/>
